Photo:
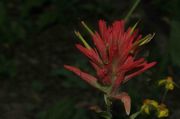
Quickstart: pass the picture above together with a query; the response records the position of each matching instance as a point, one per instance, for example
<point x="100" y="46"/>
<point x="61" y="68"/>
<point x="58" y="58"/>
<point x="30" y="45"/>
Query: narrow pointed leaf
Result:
<point x="144" y="40"/>
<point x="87" y="28"/>
<point x="134" y="27"/>
<point x="82" y="40"/>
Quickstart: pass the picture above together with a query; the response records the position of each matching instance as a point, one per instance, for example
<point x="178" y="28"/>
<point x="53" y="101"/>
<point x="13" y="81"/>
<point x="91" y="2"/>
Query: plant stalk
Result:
<point x="108" y="107"/>
<point x="164" y="96"/>
<point x="131" y="10"/>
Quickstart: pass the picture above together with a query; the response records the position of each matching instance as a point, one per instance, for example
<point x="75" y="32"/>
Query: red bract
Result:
<point x="114" y="56"/>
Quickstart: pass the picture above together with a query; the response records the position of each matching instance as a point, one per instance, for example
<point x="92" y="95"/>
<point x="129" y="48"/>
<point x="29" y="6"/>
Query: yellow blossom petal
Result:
<point x="161" y="82"/>
<point x="151" y="102"/>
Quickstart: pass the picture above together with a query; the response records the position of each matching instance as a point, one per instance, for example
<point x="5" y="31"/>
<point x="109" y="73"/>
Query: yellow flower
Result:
<point x="168" y="83"/>
<point x="162" y="111"/>
<point x="149" y="105"/>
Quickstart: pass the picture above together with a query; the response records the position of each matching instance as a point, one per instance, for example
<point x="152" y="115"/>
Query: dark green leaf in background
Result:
<point x="174" y="42"/>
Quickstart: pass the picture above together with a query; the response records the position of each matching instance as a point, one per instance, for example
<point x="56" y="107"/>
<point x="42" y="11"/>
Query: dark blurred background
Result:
<point x="37" y="38"/>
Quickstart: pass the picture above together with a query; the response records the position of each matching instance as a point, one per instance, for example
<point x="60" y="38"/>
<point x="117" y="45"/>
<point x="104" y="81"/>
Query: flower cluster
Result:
<point x="152" y="105"/>
<point x="113" y="57"/>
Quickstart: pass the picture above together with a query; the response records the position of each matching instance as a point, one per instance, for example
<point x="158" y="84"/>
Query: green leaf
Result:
<point x="144" y="40"/>
<point x="82" y="39"/>
<point x="134" y="27"/>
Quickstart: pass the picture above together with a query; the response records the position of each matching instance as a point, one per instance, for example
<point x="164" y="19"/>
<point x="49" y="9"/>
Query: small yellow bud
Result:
<point x="162" y="82"/>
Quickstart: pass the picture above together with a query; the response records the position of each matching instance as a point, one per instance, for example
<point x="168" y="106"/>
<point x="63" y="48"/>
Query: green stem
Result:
<point x="132" y="9"/>
<point x="164" y="96"/>
<point x="108" y="107"/>
<point x="133" y="116"/>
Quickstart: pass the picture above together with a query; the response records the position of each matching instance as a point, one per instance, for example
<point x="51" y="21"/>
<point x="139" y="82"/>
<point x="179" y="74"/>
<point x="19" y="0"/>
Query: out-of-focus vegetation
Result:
<point x="36" y="39"/>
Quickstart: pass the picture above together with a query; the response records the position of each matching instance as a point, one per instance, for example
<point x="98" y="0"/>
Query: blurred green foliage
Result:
<point x="174" y="40"/>
<point x="64" y="109"/>
<point x="8" y="68"/>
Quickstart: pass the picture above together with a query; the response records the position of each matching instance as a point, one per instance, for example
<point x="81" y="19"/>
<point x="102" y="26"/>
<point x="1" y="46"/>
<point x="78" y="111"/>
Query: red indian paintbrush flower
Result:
<point x="114" y="58"/>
